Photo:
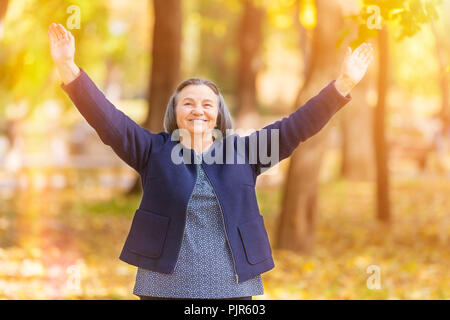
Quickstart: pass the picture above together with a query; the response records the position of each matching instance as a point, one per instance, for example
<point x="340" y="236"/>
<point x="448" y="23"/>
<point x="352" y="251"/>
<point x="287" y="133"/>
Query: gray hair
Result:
<point x="224" y="120"/>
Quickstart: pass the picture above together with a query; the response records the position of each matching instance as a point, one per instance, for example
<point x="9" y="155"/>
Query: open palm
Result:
<point x="356" y="63"/>
<point x="62" y="43"/>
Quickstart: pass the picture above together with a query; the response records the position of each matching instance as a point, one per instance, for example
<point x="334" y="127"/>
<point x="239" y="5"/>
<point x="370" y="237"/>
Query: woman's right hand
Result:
<point x="62" y="48"/>
<point x="62" y="44"/>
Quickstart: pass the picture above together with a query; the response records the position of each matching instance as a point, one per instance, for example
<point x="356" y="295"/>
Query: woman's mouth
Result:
<point x="198" y="120"/>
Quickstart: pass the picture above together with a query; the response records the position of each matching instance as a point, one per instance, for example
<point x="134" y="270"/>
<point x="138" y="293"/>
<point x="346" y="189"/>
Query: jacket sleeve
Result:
<point x="278" y="140"/>
<point x="131" y="142"/>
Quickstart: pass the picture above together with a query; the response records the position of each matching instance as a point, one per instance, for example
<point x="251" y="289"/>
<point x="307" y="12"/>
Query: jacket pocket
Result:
<point x="148" y="233"/>
<point x="255" y="240"/>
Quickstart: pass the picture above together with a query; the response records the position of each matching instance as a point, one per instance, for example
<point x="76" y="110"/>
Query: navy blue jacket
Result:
<point x="156" y="232"/>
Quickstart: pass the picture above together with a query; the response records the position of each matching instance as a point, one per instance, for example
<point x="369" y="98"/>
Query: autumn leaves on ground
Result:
<point x="61" y="246"/>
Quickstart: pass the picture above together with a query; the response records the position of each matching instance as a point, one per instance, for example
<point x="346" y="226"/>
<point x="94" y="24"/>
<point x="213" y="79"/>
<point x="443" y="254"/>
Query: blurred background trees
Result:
<point x="385" y="157"/>
<point x="298" y="216"/>
<point x="165" y="68"/>
<point x="3" y="8"/>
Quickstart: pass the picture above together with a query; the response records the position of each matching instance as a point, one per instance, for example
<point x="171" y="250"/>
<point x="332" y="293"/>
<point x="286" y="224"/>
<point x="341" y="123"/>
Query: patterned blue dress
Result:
<point x="204" y="267"/>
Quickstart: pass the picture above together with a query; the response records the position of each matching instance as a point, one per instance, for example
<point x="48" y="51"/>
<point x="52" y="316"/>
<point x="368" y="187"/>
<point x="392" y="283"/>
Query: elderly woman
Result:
<point x="198" y="232"/>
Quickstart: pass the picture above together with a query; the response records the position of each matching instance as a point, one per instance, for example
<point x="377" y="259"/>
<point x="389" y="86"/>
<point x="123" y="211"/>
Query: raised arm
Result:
<point x="130" y="142"/>
<point x="310" y="118"/>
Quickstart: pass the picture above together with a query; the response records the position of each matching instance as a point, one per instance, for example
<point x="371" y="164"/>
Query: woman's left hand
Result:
<point x="354" y="68"/>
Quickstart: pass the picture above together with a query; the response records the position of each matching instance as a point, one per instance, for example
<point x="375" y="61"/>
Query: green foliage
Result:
<point x="25" y="61"/>
<point x="408" y="14"/>
<point x="406" y="17"/>
<point x="27" y="70"/>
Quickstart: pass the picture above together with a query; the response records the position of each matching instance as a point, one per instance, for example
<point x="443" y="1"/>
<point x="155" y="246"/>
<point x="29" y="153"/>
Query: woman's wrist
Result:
<point x="344" y="85"/>
<point x="68" y="71"/>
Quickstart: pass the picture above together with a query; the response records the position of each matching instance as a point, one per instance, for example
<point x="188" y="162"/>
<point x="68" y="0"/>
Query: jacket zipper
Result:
<point x="226" y="234"/>
<point x="185" y="219"/>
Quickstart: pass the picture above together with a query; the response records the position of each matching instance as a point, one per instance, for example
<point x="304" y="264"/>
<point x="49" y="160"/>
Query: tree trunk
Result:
<point x="3" y="8"/>
<point x="250" y="38"/>
<point x="166" y="55"/>
<point x="299" y="207"/>
<point x="357" y="162"/>
<point x="381" y="148"/>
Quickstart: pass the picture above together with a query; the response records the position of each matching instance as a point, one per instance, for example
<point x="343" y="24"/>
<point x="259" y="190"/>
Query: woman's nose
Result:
<point x="198" y="109"/>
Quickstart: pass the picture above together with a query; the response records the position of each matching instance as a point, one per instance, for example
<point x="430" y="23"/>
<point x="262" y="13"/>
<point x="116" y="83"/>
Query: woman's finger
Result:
<point x="60" y="31"/>
<point x="57" y="33"/>
<point x="348" y="53"/>
<point x="356" y="51"/>
<point x="359" y="50"/>
<point x="50" y="34"/>
<point x="364" y="48"/>
<point x="370" y="59"/>
<point x="365" y="53"/>
<point x="366" y="57"/>
<point x="53" y="31"/>
<point x="52" y="27"/>
<point x="368" y="54"/>
<point x="61" y="27"/>
<point x="66" y="35"/>
<point x="362" y="55"/>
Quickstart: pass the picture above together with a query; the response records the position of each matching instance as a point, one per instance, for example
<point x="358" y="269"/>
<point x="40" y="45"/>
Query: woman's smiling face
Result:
<point x="197" y="109"/>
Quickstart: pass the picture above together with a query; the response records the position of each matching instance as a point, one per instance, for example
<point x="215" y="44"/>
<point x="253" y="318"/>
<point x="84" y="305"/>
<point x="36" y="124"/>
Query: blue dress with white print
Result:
<point x="204" y="267"/>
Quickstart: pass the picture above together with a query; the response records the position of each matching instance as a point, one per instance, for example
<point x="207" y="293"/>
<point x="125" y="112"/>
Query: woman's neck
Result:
<point x="198" y="142"/>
